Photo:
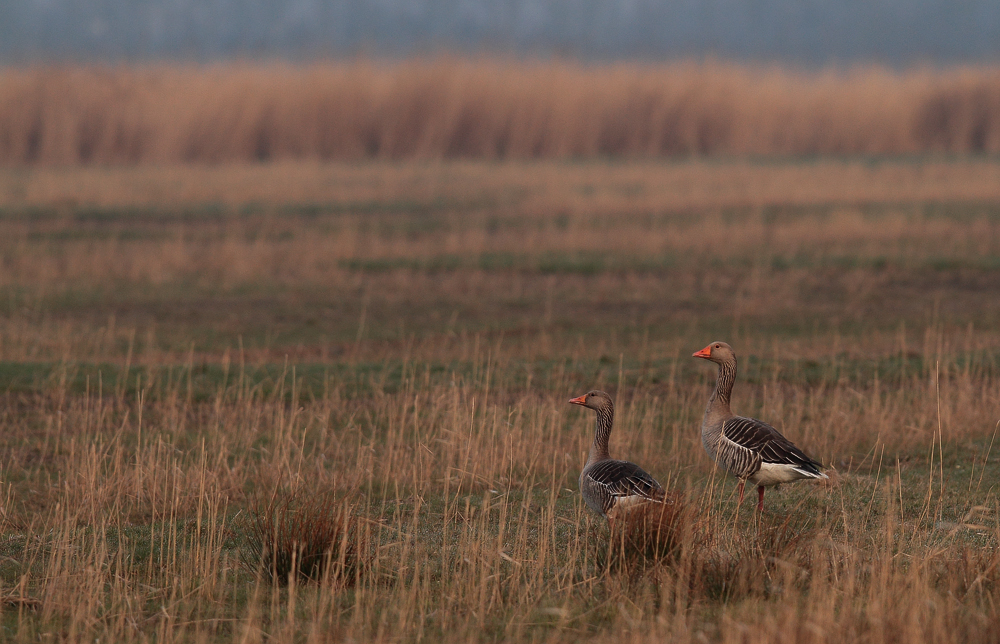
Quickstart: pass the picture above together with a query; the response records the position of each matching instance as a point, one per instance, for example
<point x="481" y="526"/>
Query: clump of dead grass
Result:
<point x="653" y="534"/>
<point x="759" y="560"/>
<point x="298" y="537"/>
<point x="675" y="546"/>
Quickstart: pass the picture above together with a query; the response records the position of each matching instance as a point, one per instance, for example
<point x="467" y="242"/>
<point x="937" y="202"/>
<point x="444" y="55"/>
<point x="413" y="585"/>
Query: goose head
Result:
<point x="596" y="400"/>
<point x="717" y="352"/>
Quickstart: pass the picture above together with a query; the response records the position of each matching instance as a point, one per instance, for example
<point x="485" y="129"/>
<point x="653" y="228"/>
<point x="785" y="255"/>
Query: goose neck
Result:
<point x="602" y="432"/>
<point x="724" y="385"/>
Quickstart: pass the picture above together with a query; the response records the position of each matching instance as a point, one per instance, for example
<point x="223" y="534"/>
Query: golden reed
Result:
<point x="492" y="109"/>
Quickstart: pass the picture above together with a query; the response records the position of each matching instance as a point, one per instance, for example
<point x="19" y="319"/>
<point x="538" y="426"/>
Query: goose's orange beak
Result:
<point x="579" y="400"/>
<point x="704" y="353"/>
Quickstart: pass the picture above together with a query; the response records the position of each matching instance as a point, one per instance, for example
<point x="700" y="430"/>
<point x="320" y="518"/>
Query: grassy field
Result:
<point x="384" y="351"/>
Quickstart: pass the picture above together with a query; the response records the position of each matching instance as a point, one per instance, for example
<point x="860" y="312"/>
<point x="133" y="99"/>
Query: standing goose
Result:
<point x="749" y="449"/>
<point x="610" y="486"/>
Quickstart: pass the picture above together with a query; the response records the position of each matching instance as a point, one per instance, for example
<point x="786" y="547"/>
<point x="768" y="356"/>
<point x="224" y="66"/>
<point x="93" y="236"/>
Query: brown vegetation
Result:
<point x="175" y="340"/>
<point x="654" y="533"/>
<point x="437" y="109"/>
<point x="302" y="536"/>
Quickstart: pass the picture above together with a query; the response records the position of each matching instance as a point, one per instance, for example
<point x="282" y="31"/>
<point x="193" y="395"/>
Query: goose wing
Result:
<point x="622" y="478"/>
<point x="767" y="443"/>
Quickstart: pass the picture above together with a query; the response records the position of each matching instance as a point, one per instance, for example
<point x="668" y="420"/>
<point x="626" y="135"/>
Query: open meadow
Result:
<point x="197" y="360"/>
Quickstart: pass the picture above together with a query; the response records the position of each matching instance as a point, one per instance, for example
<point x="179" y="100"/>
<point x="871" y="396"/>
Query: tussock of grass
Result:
<point x="756" y="559"/>
<point x="303" y="537"/>
<point x="654" y="533"/>
<point x="680" y="542"/>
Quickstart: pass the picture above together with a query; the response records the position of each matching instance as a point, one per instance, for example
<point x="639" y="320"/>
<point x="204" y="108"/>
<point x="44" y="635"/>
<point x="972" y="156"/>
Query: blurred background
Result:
<point x="384" y="141"/>
<point x="123" y="81"/>
<point x="319" y="117"/>
<point x="802" y="32"/>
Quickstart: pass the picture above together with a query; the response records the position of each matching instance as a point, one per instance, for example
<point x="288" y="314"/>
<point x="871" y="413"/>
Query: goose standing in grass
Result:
<point x="749" y="449"/>
<point x="610" y="486"/>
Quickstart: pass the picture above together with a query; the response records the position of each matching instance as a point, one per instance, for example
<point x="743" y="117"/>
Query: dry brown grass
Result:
<point x="298" y="224"/>
<point x="654" y="533"/>
<point x="435" y="109"/>
<point x="303" y="536"/>
<point x="539" y="188"/>
<point x="175" y="340"/>
<point x="480" y="533"/>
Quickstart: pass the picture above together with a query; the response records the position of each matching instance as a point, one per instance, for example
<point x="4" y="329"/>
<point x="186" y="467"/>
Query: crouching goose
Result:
<point x="610" y="486"/>
<point x="749" y="449"/>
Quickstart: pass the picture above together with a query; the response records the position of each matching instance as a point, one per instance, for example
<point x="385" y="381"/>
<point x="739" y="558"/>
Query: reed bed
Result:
<point x="488" y="109"/>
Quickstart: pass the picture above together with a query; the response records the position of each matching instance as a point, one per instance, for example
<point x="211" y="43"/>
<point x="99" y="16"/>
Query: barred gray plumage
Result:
<point x="606" y="483"/>
<point x="749" y="449"/>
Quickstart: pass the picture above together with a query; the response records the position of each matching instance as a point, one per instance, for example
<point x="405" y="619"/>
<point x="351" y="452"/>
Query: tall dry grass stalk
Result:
<point x="445" y="108"/>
